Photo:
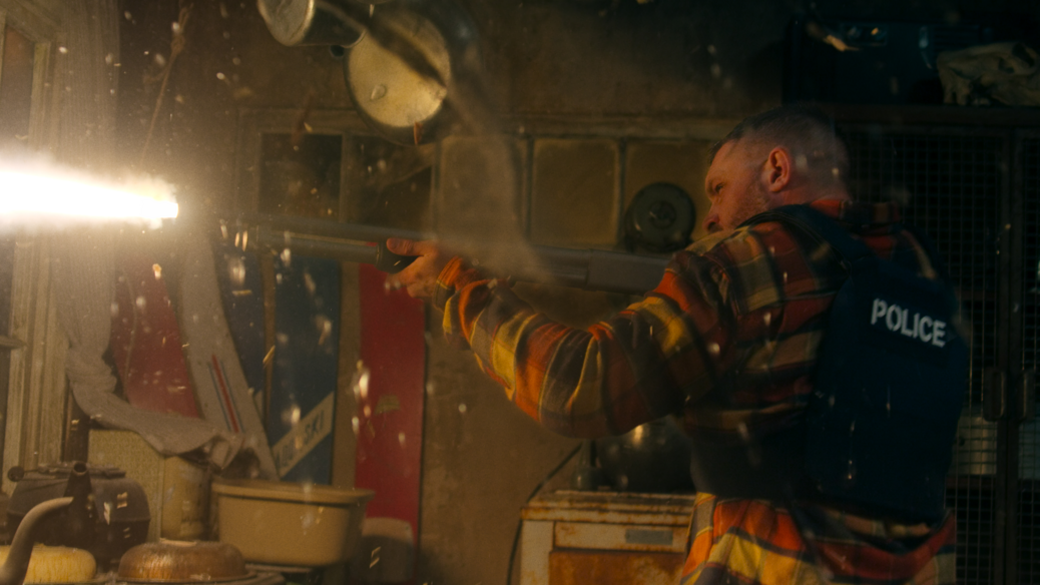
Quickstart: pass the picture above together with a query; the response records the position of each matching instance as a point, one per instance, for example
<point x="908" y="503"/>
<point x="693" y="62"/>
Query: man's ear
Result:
<point x="779" y="170"/>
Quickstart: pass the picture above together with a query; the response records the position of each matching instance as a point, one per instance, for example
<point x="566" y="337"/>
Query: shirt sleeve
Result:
<point x="640" y="365"/>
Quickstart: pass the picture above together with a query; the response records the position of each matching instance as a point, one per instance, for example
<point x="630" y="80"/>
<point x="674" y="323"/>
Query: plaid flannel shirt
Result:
<point x="729" y="340"/>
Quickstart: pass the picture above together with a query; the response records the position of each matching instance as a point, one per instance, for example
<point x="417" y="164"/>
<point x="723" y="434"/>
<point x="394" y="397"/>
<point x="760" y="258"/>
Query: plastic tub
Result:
<point x="282" y="523"/>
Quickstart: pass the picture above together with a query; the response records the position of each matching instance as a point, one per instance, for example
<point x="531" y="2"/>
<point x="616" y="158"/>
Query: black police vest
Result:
<point x="887" y="393"/>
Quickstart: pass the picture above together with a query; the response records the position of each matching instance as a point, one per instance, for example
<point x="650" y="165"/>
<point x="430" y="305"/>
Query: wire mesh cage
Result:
<point x="1028" y="513"/>
<point x="949" y="183"/>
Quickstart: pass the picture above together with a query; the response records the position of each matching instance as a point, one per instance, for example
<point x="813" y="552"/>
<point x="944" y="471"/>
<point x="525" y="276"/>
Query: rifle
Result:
<point x="590" y="269"/>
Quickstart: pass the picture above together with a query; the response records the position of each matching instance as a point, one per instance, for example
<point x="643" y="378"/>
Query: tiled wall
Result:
<point x="561" y="191"/>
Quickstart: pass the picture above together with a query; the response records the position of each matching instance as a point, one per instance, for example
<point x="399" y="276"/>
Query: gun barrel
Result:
<point x="590" y="269"/>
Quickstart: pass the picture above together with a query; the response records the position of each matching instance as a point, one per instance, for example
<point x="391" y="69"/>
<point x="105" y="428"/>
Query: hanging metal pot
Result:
<point x="315" y="22"/>
<point x="404" y="59"/>
<point x="412" y="59"/>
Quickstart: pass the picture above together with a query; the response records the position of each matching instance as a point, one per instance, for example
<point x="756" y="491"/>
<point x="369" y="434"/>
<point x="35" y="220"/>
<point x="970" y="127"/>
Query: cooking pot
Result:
<point x="651" y="458"/>
<point x="122" y="514"/>
<point x="172" y="561"/>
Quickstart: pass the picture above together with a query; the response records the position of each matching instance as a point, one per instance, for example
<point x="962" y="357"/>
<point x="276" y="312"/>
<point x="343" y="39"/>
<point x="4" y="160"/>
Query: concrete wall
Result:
<point x="580" y="62"/>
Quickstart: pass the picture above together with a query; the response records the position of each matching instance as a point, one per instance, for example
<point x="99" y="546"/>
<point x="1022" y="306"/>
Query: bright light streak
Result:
<point x="37" y="196"/>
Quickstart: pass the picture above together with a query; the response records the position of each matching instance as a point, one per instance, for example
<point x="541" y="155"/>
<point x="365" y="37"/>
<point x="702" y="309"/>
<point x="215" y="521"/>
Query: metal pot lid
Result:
<point x="400" y="74"/>
<point x="391" y="91"/>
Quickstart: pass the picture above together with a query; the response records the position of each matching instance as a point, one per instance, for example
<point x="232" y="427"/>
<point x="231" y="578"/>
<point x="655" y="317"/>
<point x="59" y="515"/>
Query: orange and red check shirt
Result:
<point x="727" y="341"/>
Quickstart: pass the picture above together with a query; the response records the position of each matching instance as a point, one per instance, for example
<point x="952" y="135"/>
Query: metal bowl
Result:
<point x="182" y="562"/>
<point x="286" y="523"/>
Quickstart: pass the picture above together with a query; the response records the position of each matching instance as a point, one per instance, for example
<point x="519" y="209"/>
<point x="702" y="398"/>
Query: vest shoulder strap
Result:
<point x="818" y="226"/>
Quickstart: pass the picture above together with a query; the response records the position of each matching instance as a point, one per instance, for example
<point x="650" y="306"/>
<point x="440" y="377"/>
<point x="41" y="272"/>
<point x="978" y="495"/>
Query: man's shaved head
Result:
<point x="806" y="132"/>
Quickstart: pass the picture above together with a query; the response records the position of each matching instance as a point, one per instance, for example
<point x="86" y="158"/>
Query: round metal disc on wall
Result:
<point x="660" y="219"/>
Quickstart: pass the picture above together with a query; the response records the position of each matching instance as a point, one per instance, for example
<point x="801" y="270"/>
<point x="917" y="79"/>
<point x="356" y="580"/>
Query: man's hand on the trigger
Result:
<point x="419" y="277"/>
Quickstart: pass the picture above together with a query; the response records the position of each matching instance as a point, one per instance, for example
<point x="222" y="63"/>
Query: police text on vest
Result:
<point x="916" y="326"/>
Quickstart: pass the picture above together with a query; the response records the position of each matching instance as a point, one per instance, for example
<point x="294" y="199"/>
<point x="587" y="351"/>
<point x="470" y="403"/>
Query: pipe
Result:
<point x="17" y="564"/>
